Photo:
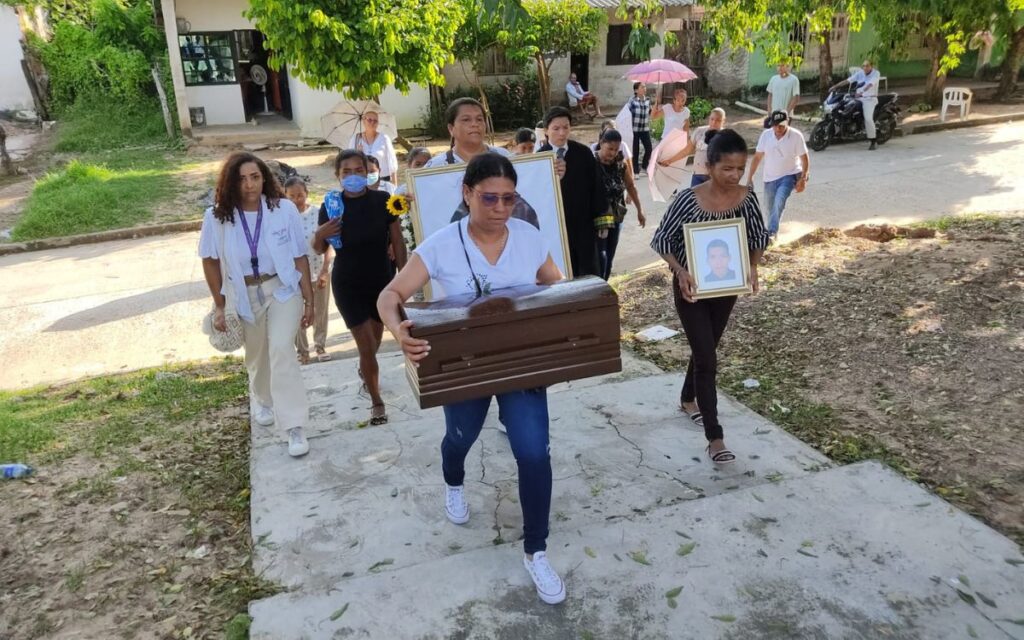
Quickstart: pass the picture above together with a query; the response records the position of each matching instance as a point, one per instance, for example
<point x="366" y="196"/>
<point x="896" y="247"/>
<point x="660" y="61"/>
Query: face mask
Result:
<point x="353" y="183"/>
<point x="372" y="178"/>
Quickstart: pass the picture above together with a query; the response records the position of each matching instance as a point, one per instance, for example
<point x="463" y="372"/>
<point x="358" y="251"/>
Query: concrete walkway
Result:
<point x="779" y="545"/>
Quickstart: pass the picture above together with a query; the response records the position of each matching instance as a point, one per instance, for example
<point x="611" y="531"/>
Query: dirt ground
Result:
<point x="141" y="533"/>
<point x="910" y="350"/>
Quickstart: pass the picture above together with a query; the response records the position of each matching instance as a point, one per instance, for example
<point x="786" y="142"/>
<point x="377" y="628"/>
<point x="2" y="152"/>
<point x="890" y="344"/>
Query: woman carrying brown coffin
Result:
<point x="484" y="252"/>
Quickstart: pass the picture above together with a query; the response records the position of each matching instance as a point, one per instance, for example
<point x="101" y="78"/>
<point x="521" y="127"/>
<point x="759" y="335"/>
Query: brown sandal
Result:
<point x="378" y="414"/>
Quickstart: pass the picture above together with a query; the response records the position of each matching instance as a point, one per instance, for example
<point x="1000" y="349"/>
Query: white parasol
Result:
<point x="345" y="120"/>
<point x="664" y="180"/>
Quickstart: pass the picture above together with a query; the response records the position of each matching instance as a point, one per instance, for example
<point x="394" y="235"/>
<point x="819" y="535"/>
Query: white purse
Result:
<point x="232" y="339"/>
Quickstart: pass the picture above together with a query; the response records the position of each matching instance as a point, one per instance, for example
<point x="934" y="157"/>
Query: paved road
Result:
<point x="122" y="305"/>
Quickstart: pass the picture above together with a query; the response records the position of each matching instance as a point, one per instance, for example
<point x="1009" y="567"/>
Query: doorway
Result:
<point x="265" y="93"/>
<point x="580" y="65"/>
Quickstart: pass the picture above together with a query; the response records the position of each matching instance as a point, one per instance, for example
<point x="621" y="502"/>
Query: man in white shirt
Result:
<point x="579" y="96"/>
<point x="783" y="90"/>
<point x="786" y="165"/>
<point x="867" y="77"/>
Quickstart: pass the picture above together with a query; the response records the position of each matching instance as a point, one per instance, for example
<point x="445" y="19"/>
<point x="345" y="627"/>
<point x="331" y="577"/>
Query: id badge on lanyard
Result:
<point x="253" y="240"/>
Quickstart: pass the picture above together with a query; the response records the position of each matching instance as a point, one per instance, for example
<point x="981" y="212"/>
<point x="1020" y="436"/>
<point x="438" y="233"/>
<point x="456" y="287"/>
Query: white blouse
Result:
<point x="382" y="149"/>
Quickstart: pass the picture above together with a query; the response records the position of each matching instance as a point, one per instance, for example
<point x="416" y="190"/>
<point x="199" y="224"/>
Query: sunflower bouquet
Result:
<point x="398" y="205"/>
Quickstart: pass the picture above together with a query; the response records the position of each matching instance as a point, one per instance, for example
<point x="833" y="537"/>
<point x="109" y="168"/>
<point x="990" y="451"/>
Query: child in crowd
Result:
<point x="525" y="141"/>
<point x="319" y="269"/>
<point x="373" y="180"/>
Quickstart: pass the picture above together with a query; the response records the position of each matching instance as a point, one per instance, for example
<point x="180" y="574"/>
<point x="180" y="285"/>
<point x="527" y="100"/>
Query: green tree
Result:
<point x="642" y="38"/>
<point x="356" y="47"/>
<point x="943" y="26"/>
<point x="77" y="11"/>
<point x="767" y="25"/>
<point x="1011" y="21"/>
<point x="554" y="29"/>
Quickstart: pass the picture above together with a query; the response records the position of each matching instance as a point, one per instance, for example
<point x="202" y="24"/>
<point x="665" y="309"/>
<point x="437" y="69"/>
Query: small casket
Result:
<point x="518" y="338"/>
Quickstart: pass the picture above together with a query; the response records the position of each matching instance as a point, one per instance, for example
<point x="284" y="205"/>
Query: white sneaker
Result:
<point x="264" y="416"/>
<point x="550" y="587"/>
<point x="297" y="443"/>
<point x="455" y="506"/>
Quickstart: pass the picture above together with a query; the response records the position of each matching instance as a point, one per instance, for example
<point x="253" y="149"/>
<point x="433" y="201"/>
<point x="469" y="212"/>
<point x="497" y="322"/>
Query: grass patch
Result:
<point x="964" y="220"/>
<point x="96" y="127"/>
<point x="87" y="196"/>
<point x="170" y="448"/>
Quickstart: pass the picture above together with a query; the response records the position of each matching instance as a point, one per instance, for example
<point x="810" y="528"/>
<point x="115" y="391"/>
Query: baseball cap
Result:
<point x="777" y="117"/>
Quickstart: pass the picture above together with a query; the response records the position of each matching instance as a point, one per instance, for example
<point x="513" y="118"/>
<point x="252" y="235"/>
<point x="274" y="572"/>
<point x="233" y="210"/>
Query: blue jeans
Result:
<point x="525" y="416"/>
<point x="606" y="250"/>
<point x="699" y="179"/>
<point x="776" y="192"/>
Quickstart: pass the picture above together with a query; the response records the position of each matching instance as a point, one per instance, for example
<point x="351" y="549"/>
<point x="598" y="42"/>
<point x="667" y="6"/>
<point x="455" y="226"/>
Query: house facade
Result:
<point x="221" y="76"/>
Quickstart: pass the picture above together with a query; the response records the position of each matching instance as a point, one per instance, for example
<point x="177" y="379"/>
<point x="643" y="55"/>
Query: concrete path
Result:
<point x="107" y="307"/>
<point x="779" y="545"/>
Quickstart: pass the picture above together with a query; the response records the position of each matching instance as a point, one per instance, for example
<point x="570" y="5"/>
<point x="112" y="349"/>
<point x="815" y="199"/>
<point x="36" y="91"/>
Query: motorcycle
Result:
<point x="843" y="119"/>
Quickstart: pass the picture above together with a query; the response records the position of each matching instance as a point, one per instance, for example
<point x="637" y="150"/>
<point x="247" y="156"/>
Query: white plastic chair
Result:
<point x="956" y="97"/>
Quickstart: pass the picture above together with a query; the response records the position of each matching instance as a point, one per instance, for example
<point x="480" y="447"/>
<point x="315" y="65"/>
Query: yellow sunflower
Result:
<point x="398" y="205"/>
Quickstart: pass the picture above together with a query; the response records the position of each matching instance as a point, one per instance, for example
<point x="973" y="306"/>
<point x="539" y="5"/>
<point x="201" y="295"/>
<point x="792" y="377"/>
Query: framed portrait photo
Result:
<point x="718" y="258"/>
<point x="437" y="202"/>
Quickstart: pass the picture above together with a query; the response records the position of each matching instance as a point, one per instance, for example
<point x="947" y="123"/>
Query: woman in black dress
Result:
<point x="356" y="222"/>
<point x="704" y="320"/>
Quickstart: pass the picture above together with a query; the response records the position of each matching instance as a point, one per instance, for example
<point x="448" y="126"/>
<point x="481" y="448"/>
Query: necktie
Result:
<point x="561" y="153"/>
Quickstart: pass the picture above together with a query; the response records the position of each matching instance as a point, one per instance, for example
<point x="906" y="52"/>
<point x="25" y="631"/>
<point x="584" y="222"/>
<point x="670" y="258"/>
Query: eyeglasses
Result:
<point x="491" y="199"/>
<point x="371" y="120"/>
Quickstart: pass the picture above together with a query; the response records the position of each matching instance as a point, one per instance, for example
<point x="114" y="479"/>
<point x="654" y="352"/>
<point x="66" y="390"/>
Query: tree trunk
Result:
<point x="5" y="160"/>
<point x="936" y="81"/>
<point x="158" y="81"/>
<point x="1011" y="66"/>
<point x="824" y="64"/>
<point x="542" y="80"/>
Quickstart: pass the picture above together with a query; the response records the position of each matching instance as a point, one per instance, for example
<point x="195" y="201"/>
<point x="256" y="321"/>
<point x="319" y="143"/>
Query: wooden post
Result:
<point x="157" y="80"/>
<point x="5" y="159"/>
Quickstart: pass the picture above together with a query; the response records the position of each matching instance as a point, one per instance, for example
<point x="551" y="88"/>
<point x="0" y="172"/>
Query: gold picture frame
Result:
<point x="718" y="257"/>
<point x="538" y="185"/>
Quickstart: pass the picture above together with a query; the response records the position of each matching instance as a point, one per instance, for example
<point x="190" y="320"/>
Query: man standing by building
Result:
<point x="579" y="96"/>
<point x="784" y="153"/>
<point x="640" y="109"/>
<point x="783" y="90"/>
<point x="867" y="77"/>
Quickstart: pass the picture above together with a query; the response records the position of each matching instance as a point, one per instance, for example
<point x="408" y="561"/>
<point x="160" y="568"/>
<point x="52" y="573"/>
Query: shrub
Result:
<point x="514" y="103"/>
<point x="700" y="108"/>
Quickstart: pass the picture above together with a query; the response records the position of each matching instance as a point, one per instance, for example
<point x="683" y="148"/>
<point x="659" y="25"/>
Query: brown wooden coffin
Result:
<point x="518" y="338"/>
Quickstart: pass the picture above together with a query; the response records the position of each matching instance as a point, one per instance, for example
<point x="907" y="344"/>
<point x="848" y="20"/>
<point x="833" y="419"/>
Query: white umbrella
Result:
<point x="345" y="120"/>
<point x="664" y="180"/>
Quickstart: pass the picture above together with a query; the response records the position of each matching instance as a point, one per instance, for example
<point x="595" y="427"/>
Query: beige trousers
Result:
<point x="321" y="306"/>
<point x="274" y="376"/>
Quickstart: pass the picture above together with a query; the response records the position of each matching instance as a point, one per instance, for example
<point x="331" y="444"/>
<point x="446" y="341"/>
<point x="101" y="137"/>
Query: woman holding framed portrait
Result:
<point x="712" y="238"/>
<point x="484" y="252"/>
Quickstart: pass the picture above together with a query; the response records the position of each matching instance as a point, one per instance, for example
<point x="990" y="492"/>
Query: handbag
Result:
<point x="232" y="339"/>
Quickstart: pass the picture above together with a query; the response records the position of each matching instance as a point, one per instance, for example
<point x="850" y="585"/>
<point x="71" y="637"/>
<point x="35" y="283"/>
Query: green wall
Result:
<point x="861" y="43"/>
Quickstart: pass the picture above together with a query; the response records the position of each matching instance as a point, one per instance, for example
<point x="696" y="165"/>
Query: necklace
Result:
<point x="501" y="249"/>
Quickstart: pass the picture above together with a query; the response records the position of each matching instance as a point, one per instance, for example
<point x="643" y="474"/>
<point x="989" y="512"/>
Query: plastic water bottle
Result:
<point x="8" y="471"/>
<point x="335" y="209"/>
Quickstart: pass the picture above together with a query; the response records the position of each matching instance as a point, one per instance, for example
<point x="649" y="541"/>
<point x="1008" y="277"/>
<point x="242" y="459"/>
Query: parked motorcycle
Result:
<point x="843" y="120"/>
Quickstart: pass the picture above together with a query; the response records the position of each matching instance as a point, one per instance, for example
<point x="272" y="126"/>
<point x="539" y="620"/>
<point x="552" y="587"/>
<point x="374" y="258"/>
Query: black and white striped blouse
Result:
<point x="669" y="237"/>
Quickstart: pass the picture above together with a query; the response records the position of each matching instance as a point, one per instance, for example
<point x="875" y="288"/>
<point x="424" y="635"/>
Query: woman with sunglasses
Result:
<point x="378" y="145"/>
<point x="480" y="254"/>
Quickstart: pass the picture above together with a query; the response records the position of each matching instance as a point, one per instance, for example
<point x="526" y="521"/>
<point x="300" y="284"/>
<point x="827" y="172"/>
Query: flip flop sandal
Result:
<point x="378" y="414"/>
<point x="721" y="457"/>
<point x="696" y="418"/>
<point x="323" y="356"/>
<point x="303" y="358"/>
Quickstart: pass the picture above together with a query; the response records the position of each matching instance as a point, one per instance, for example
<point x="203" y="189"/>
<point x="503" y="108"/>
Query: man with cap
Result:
<point x="786" y="165"/>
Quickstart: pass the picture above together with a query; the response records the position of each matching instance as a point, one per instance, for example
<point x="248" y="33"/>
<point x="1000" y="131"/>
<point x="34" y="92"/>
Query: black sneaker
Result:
<point x="873" y="145"/>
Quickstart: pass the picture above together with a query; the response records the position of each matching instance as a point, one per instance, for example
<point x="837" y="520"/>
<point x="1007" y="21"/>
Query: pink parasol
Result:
<point x="664" y="180"/>
<point x="660" y="71"/>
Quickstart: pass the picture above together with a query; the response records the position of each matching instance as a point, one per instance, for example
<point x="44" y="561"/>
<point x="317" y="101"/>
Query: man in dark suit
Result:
<point x="583" y="196"/>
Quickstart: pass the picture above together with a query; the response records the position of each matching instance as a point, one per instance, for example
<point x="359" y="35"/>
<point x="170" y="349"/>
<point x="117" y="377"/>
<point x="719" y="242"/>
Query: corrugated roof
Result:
<point x="614" y="4"/>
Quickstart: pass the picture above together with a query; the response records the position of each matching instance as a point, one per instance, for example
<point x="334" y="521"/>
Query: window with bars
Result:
<point x="208" y="58"/>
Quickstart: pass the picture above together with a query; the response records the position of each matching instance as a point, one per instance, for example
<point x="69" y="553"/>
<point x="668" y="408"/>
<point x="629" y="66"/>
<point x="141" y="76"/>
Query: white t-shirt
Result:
<point x="874" y="77"/>
<point x="783" y="90"/>
<point x="781" y="156"/>
<point x="675" y="119"/>
<point x="441" y="159"/>
<point x="382" y="149"/>
<point x="525" y="253"/>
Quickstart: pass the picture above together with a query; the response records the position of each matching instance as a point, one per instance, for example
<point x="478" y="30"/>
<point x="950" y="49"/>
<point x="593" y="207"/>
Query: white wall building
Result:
<point x="15" y="94"/>
<point x="213" y="48"/>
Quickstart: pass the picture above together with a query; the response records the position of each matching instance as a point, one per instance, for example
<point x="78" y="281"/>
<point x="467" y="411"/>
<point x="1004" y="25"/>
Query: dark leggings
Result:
<point x="704" y="322"/>
<point x="606" y="250"/>
<point x="644" y="138"/>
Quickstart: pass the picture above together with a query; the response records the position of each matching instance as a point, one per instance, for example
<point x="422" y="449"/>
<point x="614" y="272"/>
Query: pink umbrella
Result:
<point x="660" y="71"/>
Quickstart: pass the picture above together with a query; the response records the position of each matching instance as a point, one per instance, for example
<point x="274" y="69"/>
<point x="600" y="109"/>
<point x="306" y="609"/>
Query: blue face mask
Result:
<point x="353" y="183"/>
<point x="372" y="177"/>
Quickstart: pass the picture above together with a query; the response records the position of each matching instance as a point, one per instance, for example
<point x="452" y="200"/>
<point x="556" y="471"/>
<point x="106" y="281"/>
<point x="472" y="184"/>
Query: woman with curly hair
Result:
<point x="259" y="234"/>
